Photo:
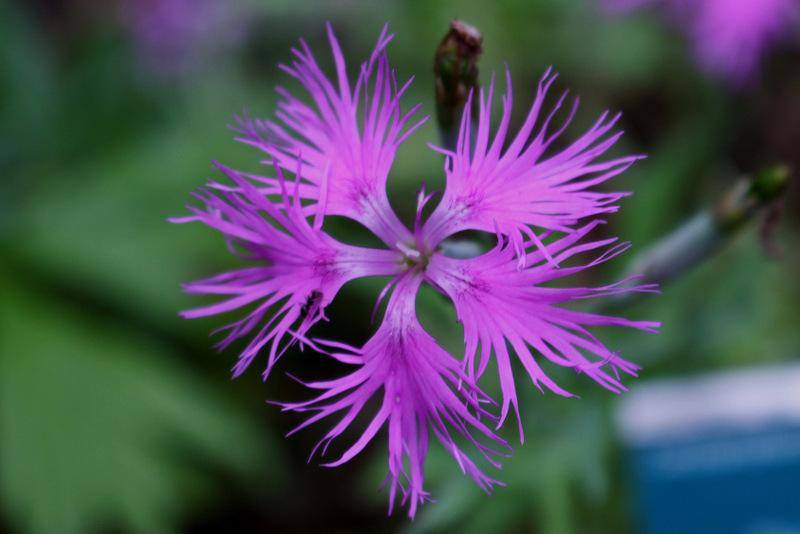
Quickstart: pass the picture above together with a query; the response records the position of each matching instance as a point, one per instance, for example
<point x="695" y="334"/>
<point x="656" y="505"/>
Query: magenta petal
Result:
<point x="299" y="271"/>
<point x="423" y="391"/>
<point x="350" y="135"/>
<point x="508" y="183"/>
<point x="500" y="304"/>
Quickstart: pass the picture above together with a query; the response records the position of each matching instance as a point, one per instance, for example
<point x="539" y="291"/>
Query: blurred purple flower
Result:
<point x="339" y="146"/>
<point x="729" y="37"/>
<point x="172" y="37"/>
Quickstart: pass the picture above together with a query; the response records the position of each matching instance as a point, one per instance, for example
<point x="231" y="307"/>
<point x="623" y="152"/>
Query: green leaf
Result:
<point x="99" y="428"/>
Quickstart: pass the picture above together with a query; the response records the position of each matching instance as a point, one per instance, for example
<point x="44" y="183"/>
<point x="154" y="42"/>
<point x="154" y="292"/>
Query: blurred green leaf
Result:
<point x="563" y="462"/>
<point x="101" y="429"/>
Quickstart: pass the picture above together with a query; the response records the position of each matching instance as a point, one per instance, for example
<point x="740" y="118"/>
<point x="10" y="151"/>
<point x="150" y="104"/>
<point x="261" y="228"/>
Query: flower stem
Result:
<point x="705" y="233"/>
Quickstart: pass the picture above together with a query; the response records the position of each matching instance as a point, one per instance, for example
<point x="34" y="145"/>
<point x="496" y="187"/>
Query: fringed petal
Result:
<point x="510" y="183"/>
<point x="299" y="271"/>
<point x="423" y="391"/>
<point x="502" y="305"/>
<point x="350" y="135"/>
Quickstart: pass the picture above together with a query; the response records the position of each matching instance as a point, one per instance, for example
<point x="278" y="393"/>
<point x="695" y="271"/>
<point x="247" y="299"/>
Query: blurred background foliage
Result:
<point x="115" y="415"/>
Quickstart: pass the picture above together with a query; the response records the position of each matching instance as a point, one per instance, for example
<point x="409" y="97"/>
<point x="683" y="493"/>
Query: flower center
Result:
<point x="413" y="258"/>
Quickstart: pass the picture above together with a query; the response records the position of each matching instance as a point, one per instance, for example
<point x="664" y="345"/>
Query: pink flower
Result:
<point x="338" y="149"/>
<point x="729" y="37"/>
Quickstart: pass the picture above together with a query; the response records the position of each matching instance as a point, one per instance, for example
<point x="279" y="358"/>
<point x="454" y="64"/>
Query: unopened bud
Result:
<point x="456" y="73"/>
<point x="750" y="195"/>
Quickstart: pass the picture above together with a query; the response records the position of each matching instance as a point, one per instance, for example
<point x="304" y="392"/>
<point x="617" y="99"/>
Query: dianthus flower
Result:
<point x="729" y="37"/>
<point x="330" y="155"/>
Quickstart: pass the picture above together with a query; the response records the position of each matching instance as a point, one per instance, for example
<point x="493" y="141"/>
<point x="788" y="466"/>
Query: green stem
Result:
<point x="703" y="235"/>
